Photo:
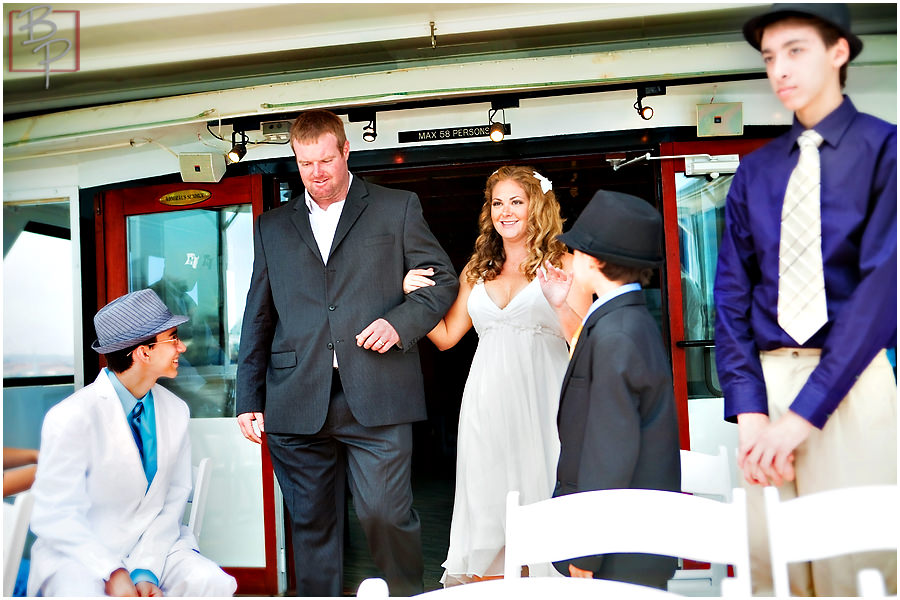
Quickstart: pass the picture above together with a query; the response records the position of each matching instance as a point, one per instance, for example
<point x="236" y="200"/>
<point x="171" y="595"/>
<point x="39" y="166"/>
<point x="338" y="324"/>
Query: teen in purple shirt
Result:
<point x="819" y="414"/>
<point x="859" y="254"/>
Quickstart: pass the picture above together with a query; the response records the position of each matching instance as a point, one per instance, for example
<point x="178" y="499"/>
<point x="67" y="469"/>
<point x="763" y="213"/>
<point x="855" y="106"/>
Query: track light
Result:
<point x="238" y="148"/>
<point x="498" y="128"/>
<point x="369" y="132"/>
<point x="646" y="112"/>
<point x="497" y="134"/>
<point x="236" y="153"/>
<point x="364" y="115"/>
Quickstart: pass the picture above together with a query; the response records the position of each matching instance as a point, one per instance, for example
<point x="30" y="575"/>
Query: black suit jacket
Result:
<point x="617" y="424"/>
<point x="299" y="310"/>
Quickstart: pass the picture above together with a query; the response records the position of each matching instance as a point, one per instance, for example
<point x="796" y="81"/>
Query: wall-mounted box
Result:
<point x="205" y="167"/>
<point x="723" y="118"/>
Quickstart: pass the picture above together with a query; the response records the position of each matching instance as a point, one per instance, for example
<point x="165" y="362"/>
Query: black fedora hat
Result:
<point x="836" y="15"/>
<point x="131" y="319"/>
<point x="619" y="228"/>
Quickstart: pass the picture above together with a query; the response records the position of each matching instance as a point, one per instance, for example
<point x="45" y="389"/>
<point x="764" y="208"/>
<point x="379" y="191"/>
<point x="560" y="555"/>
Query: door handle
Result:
<point x="696" y="344"/>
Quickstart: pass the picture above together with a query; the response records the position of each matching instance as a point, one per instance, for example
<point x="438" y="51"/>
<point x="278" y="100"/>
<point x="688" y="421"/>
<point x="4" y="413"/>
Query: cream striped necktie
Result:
<point x="802" y="309"/>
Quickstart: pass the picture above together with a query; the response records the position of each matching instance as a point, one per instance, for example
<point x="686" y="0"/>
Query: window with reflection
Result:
<point x="199" y="262"/>
<point x="701" y="216"/>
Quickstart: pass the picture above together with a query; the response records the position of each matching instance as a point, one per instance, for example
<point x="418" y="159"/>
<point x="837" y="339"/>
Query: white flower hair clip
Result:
<point x="546" y="184"/>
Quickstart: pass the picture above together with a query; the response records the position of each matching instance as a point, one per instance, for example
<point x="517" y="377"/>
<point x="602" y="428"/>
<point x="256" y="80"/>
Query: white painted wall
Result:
<point x="92" y="147"/>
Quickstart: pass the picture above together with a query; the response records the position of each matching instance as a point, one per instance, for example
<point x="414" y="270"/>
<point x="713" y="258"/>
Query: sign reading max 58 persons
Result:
<point x="448" y="133"/>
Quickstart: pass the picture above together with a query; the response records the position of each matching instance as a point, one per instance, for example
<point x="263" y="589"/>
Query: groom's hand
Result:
<point x="379" y="336"/>
<point x="245" y="422"/>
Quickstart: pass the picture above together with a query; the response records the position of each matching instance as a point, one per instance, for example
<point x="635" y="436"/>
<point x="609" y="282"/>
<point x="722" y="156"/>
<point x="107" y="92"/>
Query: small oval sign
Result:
<point x="184" y="197"/>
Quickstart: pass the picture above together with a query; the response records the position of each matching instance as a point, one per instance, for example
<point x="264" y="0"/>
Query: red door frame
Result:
<point x="673" y="257"/>
<point x="111" y="209"/>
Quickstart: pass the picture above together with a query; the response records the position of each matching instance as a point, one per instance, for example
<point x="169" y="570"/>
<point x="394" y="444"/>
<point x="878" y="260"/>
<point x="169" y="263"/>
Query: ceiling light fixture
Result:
<point x="497" y="132"/>
<point x="500" y="129"/>
<point x="646" y="112"/>
<point x="364" y="115"/>
<point x="369" y="131"/>
<point x="238" y="148"/>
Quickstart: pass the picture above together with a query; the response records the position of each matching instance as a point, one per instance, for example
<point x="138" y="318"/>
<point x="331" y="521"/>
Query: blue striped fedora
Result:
<point x="131" y="319"/>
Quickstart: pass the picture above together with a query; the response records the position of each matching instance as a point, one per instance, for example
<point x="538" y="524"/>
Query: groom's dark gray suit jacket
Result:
<point x="299" y="310"/>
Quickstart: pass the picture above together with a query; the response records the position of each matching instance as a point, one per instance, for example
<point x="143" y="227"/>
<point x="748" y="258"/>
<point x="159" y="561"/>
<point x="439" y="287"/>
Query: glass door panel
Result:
<point x="199" y="262"/>
<point x="198" y="257"/>
<point x="693" y="218"/>
<point x="701" y="215"/>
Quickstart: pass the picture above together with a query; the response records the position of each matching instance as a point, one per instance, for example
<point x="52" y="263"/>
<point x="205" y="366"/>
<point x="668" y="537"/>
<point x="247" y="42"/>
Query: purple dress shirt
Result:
<point x="859" y="252"/>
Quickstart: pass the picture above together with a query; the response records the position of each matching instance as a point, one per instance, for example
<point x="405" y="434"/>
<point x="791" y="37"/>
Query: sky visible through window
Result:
<point x="38" y="332"/>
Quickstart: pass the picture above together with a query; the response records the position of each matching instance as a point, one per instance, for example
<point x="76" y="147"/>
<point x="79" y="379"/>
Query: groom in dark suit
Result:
<point x="329" y="365"/>
<point x="617" y="421"/>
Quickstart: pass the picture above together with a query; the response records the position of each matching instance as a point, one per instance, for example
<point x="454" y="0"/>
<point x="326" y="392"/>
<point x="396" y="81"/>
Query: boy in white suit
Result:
<point x="115" y="471"/>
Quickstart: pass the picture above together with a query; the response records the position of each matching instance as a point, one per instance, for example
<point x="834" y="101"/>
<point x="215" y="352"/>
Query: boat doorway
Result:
<point x="452" y="196"/>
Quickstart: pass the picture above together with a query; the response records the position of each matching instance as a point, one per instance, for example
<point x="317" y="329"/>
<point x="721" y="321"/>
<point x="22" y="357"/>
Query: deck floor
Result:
<point x="433" y="500"/>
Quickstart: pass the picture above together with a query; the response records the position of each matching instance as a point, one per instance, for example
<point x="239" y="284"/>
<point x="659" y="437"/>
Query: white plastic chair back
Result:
<point x="859" y="519"/>
<point x="706" y="474"/>
<point x="629" y="520"/>
<point x="373" y="588"/>
<point x="15" y="529"/>
<point x="196" y="506"/>
<point x="870" y="584"/>
<point x="547" y="588"/>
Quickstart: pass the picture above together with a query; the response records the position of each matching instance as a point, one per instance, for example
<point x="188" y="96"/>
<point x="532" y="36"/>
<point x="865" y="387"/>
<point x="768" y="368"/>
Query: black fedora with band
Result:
<point x="835" y="15"/>
<point x="619" y="228"/>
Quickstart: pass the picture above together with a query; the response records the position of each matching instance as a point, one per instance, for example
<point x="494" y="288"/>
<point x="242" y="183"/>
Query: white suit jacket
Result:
<point x="91" y="502"/>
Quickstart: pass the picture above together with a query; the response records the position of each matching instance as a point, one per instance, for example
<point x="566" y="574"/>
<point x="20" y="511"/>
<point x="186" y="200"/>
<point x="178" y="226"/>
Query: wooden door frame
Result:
<point x="111" y="208"/>
<point x="668" y="169"/>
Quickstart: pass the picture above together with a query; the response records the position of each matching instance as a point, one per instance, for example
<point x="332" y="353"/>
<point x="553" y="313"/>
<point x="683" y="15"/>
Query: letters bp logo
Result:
<point x="43" y="40"/>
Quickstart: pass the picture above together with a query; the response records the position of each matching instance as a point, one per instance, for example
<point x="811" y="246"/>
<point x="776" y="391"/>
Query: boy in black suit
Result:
<point x="617" y="422"/>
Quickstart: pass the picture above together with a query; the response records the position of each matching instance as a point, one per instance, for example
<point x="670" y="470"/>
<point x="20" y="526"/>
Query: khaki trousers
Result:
<point x="857" y="446"/>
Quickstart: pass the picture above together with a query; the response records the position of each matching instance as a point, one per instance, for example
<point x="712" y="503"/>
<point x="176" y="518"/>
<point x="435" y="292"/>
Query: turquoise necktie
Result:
<point x="144" y="439"/>
<point x="134" y="419"/>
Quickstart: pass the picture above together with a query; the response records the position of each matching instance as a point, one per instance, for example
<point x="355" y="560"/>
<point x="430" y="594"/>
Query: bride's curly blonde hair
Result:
<point x="544" y="224"/>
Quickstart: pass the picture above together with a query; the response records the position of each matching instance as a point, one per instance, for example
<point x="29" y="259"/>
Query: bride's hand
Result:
<point x="555" y="284"/>
<point x="417" y="278"/>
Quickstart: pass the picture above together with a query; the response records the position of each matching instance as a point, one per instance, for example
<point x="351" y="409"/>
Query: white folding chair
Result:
<point x="828" y="524"/>
<point x="196" y="504"/>
<point x="870" y="584"/>
<point x="569" y="588"/>
<point x="629" y="520"/>
<point x="373" y="588"/>
<point x="708" y="475"/>
<point x="15" y="529"/>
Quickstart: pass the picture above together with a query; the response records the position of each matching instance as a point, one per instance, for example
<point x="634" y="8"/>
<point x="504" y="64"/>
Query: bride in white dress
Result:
<point x="507" y="422"/>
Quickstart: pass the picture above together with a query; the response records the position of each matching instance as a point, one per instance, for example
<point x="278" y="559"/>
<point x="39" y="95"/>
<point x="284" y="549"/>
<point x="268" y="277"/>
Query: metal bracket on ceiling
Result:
<point x="433" y="38"/>
<point x="618" y="163"/>
<point x="695" y="164"/>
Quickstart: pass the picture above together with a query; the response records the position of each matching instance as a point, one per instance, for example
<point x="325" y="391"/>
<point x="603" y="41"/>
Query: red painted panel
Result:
<point x="668" y="168"/>
<point x="111" y="209"/>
